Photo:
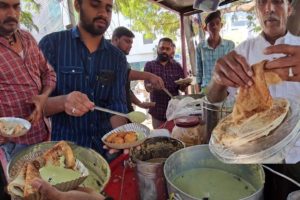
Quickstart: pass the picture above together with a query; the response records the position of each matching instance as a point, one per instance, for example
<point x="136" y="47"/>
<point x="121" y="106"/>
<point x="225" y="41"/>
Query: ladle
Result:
<point x="135" y="116"/>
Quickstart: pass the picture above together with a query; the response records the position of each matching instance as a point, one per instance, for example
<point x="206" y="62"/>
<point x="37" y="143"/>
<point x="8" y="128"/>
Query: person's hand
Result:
<point x="49" y="192"/>
<point x="182" y="87"/>
<point x="149" y="87"/>
<point x="288" y="67"/>
<point x="112" y="151"/>
<point x="39" y="102"/>
<point x="156" y="82"/>
<point x="233" y="70"/>
<point x="77" y="104"/>
<point x="147" y="105"/>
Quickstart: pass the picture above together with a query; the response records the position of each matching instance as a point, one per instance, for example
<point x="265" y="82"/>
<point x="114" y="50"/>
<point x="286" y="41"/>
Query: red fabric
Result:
<point x="168" y="125"/>
<point x="130" y="185"/>
<point x="20" y="80"/>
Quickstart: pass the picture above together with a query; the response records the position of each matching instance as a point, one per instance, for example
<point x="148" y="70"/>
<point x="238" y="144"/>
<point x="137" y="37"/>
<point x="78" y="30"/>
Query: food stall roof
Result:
<point x="183" y="7"/>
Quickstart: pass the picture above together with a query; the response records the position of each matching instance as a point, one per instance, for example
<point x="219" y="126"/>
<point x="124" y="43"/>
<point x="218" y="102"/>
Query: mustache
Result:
<point x="100" y="18"/>
<point x="271" y="17"/>
<point x="10" y="19"/>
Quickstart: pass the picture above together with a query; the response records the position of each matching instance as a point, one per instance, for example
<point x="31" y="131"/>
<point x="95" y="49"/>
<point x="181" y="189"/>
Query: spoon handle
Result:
<point x="167" y="92"/>
<point x="110" y="111"/>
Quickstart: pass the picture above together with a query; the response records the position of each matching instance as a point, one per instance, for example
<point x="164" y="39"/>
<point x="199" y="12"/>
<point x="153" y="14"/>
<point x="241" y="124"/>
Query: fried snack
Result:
<point x="118" y="140"/>
<point x="31" y="173"/>
<point x="16" y="187"/>
<point x="53" y="155"/>
<point x="111" y="137"/>
<point x="122" y="137"/>
<point x="130" y="137"/>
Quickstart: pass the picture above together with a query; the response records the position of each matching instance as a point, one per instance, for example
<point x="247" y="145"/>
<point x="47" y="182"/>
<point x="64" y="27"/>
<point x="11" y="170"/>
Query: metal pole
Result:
<point x="71" y="13"/>
<point x="183" y="47"/>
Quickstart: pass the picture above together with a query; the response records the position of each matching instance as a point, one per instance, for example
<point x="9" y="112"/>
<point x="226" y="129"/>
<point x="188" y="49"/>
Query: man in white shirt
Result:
<point x="233" y="70"/>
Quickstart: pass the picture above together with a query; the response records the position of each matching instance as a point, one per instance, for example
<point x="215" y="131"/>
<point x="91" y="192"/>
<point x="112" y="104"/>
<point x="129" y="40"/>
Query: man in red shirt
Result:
<point x="26" y="79"/>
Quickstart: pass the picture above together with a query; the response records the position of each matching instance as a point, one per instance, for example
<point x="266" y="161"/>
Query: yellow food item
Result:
<point x="122" y="137"/>
<point x="255" y="113"/>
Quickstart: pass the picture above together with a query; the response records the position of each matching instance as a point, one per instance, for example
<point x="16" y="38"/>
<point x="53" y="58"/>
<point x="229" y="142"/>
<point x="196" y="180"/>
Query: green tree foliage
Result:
<point x="28" y="8"/>
<point x="148" y="18"/>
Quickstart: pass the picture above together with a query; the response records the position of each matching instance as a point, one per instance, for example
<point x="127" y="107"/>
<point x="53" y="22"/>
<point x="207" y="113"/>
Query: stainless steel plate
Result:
<point x="17" y="121"/>
<point x="272" y="148"/>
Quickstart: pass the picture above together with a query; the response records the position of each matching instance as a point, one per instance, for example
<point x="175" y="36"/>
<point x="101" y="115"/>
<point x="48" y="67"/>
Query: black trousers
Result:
<point x="3" y="185"/>
<point x="278" y="188"/>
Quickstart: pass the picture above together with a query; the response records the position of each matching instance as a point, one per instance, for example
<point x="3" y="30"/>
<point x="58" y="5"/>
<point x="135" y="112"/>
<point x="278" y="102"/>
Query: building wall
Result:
<point x="51" y="18"/>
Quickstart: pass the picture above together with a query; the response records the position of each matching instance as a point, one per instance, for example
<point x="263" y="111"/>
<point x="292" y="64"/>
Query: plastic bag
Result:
<point x="184" y="107"/>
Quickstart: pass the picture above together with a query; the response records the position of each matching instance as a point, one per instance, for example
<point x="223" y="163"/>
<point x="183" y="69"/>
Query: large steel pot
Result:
<point x="200" y="157"/>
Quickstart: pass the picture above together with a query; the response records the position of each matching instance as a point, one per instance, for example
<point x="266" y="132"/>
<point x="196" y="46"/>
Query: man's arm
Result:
<point x="232" y="70"/>
<point x="74" y="104"/>
<point x="49" y="192"/>
<point x="136" y="101"/>
<point x="215" y="91"/>
<point x="155" y="80"/>
<point x="199" y="69"/>
<point x="48" y="79"/>
<point x="148" y="85"/>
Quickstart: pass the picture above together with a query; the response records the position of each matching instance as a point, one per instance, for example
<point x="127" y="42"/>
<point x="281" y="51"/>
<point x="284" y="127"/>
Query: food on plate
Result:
<point x="11" y="128"/>
<point x="31" y="173"/>
<point x="255" y="113"/>
<point x="61" y="154"/>
<point x="56" y="165"/>
<point x="122" y="137"/>
<point x="182" y="81"/>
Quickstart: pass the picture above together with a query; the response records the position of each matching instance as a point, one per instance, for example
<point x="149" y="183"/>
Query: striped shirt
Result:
<point x="207" y="57"/>
<point x="169" y="73"/>
<point x="21" y="78"/>
<point x="100" y="75"/>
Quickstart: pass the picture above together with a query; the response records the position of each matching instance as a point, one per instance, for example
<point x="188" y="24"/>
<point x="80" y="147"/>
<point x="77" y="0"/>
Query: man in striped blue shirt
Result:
<point x="210" y="50"/>
<point x="90" y="71"/>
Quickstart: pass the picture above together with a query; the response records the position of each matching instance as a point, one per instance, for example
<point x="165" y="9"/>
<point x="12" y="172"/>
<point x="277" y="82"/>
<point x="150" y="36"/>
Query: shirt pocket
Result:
<point x="71" y="79"/>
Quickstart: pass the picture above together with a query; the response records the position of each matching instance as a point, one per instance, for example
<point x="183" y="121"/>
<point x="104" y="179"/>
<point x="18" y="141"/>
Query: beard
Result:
<point x="163" y="57"/>
<point x="6" y="29"/>
<point x="90" y="27"/>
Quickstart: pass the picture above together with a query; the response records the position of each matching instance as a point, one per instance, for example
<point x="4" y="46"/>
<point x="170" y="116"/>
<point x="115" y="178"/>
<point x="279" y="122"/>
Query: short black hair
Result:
<point x="122" y="31"/>
<point x="166" y="39"/>
<point x="212" y="16"/>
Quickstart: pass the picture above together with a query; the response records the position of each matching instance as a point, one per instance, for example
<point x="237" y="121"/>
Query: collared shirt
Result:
<point x="252" y="50"/>
<point x="206" y="58"/>
<point x="21" y="78"/>
<point x="100" y="75"/>
<point x="171" y="72"/>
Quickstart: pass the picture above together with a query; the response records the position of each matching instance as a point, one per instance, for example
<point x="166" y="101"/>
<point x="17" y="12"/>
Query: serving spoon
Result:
<point x="135" y="116"/>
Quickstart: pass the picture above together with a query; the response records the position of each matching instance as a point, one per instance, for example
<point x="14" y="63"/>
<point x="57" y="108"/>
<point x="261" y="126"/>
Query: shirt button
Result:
<point x="102" y="86"/>
<point x="89" y="58"/>
<point x="73" y="70"/>
<point x="86" y="77"/>
<point x="91" y="125"/>
<point x="92" y="93"/>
